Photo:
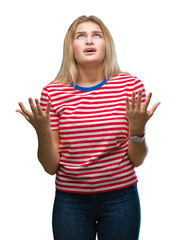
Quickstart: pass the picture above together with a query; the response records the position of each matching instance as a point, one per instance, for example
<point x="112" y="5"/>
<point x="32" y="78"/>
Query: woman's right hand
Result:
<point x="38" y="118"/>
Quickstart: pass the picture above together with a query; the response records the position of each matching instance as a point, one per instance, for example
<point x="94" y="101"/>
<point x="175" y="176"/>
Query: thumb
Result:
<point x="153" y="109"/>
<point x="19" y="111"/>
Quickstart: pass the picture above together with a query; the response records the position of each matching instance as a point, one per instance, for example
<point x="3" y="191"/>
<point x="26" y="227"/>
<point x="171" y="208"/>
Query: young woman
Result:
<point x="90" y="125"/>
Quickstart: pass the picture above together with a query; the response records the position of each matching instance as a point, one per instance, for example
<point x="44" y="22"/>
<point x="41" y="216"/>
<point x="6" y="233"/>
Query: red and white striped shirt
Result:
<point x="93" y="129"/>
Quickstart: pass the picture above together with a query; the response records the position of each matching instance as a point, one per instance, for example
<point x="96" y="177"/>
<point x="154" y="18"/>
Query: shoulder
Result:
<point x="55" y="87"/>
<point x="125" y="79"/>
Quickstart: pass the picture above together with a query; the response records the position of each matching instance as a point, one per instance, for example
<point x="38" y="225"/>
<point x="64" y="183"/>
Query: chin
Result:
<point x="91" y="62"/>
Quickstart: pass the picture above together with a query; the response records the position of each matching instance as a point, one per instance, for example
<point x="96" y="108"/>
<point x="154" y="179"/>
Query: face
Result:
<point x="89" y="45"/>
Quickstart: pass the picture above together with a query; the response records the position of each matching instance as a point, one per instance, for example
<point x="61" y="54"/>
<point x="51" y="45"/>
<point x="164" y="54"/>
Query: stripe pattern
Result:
<point x="93" y="130"/>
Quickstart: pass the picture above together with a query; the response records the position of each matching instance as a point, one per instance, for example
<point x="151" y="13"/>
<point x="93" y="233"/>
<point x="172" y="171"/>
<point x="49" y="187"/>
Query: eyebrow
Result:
<point x="85" y="32"/>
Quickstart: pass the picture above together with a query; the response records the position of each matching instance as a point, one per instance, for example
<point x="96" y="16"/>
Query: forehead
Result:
<point x="87" y="27"/>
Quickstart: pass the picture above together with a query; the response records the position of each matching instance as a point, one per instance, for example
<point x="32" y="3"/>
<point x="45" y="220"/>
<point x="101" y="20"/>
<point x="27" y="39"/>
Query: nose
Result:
<point x="89" y="40"/>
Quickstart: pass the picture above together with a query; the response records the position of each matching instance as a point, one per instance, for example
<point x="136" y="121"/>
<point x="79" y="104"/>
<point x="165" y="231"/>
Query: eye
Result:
<point x="97" y="35"/>
<point x="81" y="36"/>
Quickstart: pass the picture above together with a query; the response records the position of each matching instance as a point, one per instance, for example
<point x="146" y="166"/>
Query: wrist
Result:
<point x="43" y="131"/>
<point x="137" y="132"/>
<point x="137" y="139"/>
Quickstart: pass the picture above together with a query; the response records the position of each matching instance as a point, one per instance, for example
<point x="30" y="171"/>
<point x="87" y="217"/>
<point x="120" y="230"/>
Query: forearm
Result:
<point x="47" y="152"/>
<point x="137" y="152"/>
<point x="47" y="148"/>
<point x="138" y="115"/>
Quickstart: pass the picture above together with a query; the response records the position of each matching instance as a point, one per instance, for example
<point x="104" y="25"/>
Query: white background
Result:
<point x="32" y="34"/>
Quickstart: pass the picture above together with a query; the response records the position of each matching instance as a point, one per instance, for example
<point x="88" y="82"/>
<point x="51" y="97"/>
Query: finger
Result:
<point x="138" y="105"/>
<point x="32" y="105"/>
<point x="23" y="111"/>
<point x="127" y="104"/>
<point x="147" y="101"/>
<point x="39" y="109"/>
<point x="19" y="111"/>
<point x="133" y="100"/>
<point x="47" y="110"/>
<point x="153" y="109"/>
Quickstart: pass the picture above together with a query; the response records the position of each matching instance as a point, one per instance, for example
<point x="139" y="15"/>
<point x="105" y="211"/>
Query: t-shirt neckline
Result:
<point x="86" y="89"/>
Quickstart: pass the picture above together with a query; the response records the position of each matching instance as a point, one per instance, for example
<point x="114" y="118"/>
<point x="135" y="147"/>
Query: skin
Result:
<point x="48" y="140"/>
<point x="88" y="35"/>
<point x="138" y="116"/>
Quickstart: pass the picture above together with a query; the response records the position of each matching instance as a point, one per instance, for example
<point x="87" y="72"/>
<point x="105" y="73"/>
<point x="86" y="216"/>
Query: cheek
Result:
<point x="76" y="50"/>
<point x="103" y="48"/>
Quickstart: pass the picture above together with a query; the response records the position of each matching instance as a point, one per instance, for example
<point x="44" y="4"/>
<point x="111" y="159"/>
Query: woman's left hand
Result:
<point x="137" y="114"/>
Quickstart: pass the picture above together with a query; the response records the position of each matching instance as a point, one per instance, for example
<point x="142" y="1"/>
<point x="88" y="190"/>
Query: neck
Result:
<point x="90" y="76"/>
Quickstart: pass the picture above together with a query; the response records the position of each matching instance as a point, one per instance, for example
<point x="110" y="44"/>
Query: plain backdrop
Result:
<point x="31" y="43"/>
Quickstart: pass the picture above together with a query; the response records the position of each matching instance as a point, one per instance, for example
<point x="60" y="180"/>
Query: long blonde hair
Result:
<point x="68" y="72"/>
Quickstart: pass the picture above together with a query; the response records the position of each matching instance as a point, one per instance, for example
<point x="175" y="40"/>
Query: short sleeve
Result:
<point x="138" y="85"/>
<point x="54" y="119"/>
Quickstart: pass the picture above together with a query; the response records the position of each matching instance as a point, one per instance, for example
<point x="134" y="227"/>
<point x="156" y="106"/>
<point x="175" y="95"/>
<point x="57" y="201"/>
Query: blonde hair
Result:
<point x="68" y="72"/>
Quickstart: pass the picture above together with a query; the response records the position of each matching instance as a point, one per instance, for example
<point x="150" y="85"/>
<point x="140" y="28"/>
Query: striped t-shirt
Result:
<point x="93" y="129"/>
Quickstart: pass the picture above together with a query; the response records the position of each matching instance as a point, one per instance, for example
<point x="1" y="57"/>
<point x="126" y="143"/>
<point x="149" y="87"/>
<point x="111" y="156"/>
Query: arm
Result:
<point x="137" y="152"/>
<point x="138" y="116"/>
<point x="48" y="141"/>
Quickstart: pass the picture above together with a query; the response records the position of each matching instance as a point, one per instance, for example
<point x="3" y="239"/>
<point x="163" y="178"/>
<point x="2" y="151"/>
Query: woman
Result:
<point x="90" y="125"/>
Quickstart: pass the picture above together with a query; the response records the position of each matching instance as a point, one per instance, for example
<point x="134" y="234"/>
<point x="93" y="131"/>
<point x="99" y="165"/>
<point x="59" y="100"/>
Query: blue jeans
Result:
<point x="113" y="215"/>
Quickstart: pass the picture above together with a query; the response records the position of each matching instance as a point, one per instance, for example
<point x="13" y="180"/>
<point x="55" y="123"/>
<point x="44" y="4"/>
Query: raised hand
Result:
<point x="137" y="114"/>
<point x="39" y="119"/>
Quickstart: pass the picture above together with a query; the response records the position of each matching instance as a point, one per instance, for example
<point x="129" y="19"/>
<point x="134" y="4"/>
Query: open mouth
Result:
<point x="89" y="50"/>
